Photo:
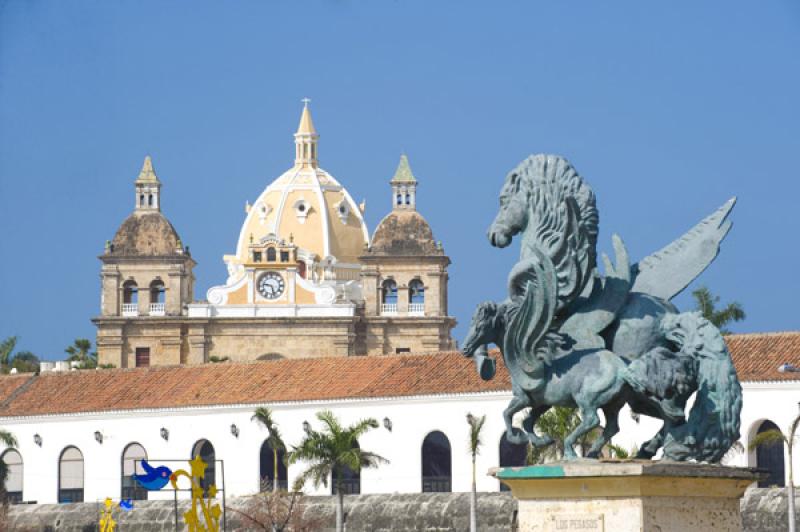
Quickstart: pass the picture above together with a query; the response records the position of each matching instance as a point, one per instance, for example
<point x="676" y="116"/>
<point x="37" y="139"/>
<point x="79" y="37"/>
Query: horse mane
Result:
<point x="563" y="220"/>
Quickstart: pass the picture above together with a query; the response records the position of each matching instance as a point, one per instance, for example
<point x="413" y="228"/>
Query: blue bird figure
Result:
<point x="156" y="477"/>
<point x="126" y="504"/>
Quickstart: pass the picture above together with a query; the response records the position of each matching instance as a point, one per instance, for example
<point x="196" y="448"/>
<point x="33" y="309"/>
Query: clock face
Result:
<point x="271" y="285"/>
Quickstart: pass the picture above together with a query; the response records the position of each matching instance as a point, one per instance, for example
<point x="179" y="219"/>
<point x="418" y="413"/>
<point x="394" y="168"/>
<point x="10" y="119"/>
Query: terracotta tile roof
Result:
<point x="756" y="356"/>
<point x="244" y="383"/>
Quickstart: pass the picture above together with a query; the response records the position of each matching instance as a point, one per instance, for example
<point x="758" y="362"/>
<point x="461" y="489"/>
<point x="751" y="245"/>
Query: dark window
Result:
<point x="156" y="292"/>
<point x="70" y="475"/>
<point x="256" y="256"/>
<point x="142" y="357"/>
<point x="267" y="469"/>
<point x="150" y="200"/>
<point x="436" y="463"/>
<point x="408" y="199"/>
<point x="205" y="450"/>
<point x="284" y="256"/>
<point x="130" y="292"/>
<point x="416" y="291"/>
<point x="270" y="254"/>
<point x="132" y="458"/>
<point x="141" y="200"/>
<point x="350" y="481"/>
<point x="399" y="199"/>
<point x="770" y="458"/>
<point x="512" y="455"/>
<point x="402" y="350"/>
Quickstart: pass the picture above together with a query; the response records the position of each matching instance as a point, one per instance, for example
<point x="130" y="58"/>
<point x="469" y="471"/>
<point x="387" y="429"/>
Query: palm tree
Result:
<point x="776" y="437"/>
<point x="6" y="349"/>
<point x="25" y="362"/>
<point x="475" y="442"/>
<point x="706" y="303"/>
<point x="558" y="423"/>
<point x="81" y="351"/>
<point x="332" y="450"/>
<point x="263" y="415"/>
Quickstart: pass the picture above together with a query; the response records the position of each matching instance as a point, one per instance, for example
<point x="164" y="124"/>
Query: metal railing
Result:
<point x="416" y="309"/>
<point x="130" y="309"/>
<point x="157" y="309"/>
<point x="389" y="309"/>
<point x="267" y="485"/>
<point x="436" y="485"/>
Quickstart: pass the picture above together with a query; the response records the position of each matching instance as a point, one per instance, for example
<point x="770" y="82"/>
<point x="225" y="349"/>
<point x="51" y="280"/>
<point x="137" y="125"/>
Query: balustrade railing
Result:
<point x="156" y="309"/>
<point x="416" y="309"/>
<point x="389" y="309"/>
<point x="130" y="309"/>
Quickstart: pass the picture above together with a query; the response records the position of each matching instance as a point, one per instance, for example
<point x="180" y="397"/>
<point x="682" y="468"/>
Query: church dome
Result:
<point x="145" y="234"/>
<point x="404" y="233"/>
<point x="306" y="206"/>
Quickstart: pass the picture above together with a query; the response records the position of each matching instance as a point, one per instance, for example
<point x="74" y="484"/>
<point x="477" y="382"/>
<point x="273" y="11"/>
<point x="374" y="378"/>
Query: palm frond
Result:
<point x="7" y="439"/>
<point x="475" y="428"/>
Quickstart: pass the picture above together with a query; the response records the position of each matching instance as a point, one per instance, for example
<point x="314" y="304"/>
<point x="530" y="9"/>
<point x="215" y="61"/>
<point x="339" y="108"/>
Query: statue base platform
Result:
<point x="631" y="495"/>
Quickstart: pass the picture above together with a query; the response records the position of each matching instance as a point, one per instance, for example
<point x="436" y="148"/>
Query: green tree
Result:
<point x="776" y="437"/>
<point x="263" y="415"/>
<point x="24" y="361"/>
<point x="475" y="442"/>
<point x="330" y="451"/>
<point x="81" y="351"/>
<point x="707" y="304"/>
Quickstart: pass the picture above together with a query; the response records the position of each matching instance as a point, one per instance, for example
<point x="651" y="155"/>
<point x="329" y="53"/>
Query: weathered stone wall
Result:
<point x="434" y="512"/>
<point x="763" y="510"/>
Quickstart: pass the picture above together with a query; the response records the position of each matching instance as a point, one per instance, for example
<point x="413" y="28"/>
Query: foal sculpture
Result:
<point x="573" y="337"/>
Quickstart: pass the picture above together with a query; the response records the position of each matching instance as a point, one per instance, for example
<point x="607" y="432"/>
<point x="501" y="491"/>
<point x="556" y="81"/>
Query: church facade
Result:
<point x="305" y="278"/>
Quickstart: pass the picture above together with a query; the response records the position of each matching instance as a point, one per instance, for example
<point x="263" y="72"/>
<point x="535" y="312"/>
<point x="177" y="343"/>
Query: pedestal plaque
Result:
<point x="628" y="496"/>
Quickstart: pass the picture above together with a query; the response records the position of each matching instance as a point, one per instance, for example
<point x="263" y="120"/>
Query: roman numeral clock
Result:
<point x="271" y="285"/>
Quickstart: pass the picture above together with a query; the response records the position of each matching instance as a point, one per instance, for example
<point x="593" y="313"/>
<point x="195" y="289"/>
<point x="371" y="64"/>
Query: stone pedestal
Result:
<point x="623" y="496"/>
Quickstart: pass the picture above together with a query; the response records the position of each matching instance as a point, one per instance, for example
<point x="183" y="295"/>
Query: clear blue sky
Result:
<point x="666" y="108"/>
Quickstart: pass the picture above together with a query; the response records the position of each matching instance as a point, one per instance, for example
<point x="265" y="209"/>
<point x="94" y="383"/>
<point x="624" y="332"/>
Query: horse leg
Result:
<point x="589" y="420"/>
<point x="651" y="446"/>
<point x="612" y="427"/>
<point x="513" y="434"/>
<point x="529" y="423"/>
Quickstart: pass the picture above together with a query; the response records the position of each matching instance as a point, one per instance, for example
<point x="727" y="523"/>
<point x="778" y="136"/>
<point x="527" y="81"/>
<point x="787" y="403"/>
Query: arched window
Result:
<point x="132" y="458"/>
<point x="70" y="475"/>
<point x="150" y="200"/>
<point x="13" y="461"/>
<point x="157" y="291"/>
<point x="408" y="199"/>
<point x="770" y="458"/>
<point x="511" y="455"/>
<point x="205" y="450"/>
<point x="350" y="481"/>
<point x="271" y="255"/>
<point x="437" y="469"/>
<point x="267" y="469"/>
<point x="301" y="269"/>
<point x="141" y="200"/>
<point x="416" y="292"/>
<point x="389" y="292"/>
<point x="399" y="199"/>
<point x="130" y="292"/>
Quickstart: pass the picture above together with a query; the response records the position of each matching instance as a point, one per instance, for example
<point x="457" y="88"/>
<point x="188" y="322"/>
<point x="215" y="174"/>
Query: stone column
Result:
<point x="631" y="496"/>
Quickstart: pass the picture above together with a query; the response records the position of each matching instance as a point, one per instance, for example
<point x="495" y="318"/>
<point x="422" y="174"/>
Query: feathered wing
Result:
<point x="667" y="272"/>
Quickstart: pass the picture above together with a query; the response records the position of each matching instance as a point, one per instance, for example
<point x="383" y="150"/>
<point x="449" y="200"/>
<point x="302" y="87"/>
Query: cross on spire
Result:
<point x="306" y="101"/>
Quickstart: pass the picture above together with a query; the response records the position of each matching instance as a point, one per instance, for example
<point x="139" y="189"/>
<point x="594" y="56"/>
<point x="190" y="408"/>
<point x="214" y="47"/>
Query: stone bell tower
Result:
<point x="146" y="283"/>
<point x="404" y="278"/>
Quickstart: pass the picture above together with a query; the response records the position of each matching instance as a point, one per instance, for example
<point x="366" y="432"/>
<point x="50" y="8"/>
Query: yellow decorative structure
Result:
<point x="210" y="513"/>
<point x="107" y="523"/>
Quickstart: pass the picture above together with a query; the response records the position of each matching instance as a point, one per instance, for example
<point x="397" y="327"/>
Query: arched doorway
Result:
<point x="770" y="458"/>
<point x="205" y="450"/>
<point x="511" y="455"/>
<point x="437" y="468"/>
<point x="350" y="481"/>
<point x="267" y="469"/>
<point x="132" y="458"/>
<point x="13" y="461"/>
<point x="70" y="475"/>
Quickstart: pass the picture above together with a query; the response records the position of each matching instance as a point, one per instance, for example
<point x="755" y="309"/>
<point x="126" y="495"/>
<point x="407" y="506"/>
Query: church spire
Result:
<point x="404" y="186"/>
<point x="306" y="139"/>
<point x="148" y="188"/>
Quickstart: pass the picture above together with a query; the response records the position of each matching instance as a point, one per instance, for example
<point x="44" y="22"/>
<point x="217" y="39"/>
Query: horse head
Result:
<point x="482" y="329"/>
<point x="512" y="217"/>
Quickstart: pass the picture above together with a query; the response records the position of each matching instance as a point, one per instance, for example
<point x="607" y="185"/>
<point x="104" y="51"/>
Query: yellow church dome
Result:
<point x="306" y="207"/>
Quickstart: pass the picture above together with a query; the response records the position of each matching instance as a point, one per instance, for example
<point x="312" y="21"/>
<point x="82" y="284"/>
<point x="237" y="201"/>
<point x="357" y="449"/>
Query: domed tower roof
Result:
<point x="307" y="206"/>
<point x="146" y="232"/>
<point x="404" y="231"/>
